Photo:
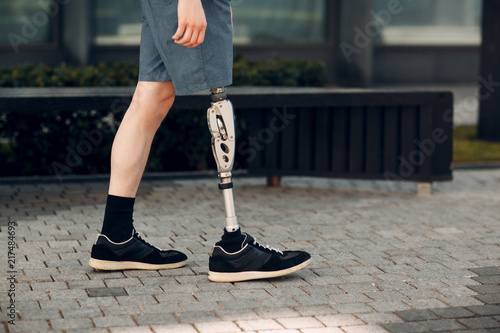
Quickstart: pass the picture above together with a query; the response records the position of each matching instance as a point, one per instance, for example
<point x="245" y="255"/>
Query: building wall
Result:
<point x="375" y="63"/>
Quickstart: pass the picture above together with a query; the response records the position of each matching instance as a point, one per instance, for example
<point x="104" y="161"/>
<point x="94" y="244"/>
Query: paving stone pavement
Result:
<point x="384" y="259"/>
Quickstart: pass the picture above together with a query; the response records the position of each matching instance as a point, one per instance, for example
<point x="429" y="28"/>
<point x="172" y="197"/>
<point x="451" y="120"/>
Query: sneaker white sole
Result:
<point x="106" y="265"/>
<point x="253" y="275"/>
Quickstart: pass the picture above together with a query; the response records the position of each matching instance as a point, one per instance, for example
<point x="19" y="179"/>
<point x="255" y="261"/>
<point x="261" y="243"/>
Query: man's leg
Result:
<point x="238" y="256"/>
<point x="150" y="105"/>
<point x="118" y="246"/>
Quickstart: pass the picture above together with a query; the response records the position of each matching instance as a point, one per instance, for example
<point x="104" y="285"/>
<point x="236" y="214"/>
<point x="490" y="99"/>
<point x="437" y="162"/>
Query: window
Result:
<point x="429" y="22"/>
<point x="118" y="23"/>
<point x="280" y="21"/>
<point x="255" y="21"/>
<point x="27" y="22"/>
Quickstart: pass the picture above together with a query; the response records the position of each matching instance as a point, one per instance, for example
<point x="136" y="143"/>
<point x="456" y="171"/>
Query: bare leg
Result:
<point x="150" y="105"/>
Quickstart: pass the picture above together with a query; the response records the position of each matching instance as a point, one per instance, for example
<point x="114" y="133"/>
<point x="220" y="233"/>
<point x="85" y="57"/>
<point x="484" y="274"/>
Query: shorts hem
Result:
<point x="153" y="78"/>
<point x="194" y="88"/>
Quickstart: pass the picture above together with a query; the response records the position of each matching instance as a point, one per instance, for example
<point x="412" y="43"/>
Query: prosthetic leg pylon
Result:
<point x="220" y="117"/>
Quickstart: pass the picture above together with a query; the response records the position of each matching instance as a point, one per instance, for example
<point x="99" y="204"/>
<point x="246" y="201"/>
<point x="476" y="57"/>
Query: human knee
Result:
<point x="152" y="101"/>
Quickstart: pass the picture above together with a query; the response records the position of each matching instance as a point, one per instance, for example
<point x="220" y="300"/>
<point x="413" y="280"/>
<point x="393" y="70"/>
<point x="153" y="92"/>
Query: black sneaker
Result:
<point x="253" y="261"/>
<point x="134" y="253"/>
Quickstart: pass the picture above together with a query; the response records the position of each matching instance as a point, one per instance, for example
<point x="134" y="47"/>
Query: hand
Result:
<point x="192" y="23"/>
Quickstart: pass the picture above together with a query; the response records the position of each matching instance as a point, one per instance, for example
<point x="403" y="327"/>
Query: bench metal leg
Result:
<point x="424" y="188"/>
<point x="273" y="181"/>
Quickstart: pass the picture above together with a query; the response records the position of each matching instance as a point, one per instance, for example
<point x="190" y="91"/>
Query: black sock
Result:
<point x="118" y="223"/>
<point x="231" y="241"/>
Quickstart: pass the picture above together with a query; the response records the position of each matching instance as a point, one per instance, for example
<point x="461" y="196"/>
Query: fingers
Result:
<point x="190" y="35"/>
<point x="180" y="31"/>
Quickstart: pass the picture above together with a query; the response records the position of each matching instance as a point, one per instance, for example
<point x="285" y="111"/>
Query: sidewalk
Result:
<point x="384" y="259"/>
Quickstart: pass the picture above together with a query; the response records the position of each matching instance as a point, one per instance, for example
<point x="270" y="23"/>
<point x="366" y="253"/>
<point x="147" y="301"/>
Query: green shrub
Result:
<point x="45" y="143"/>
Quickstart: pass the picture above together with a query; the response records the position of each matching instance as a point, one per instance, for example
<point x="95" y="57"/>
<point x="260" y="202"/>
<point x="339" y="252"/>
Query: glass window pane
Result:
<point x="256" y="21"/>
<point x="429" y="22"/>
<point x="26" y="22"/>
<point x="280" y="21"/>
<point x="118" y="24"/>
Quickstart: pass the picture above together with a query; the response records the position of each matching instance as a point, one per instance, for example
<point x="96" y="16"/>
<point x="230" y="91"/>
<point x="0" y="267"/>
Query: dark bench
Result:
<point x="392" y="134"/>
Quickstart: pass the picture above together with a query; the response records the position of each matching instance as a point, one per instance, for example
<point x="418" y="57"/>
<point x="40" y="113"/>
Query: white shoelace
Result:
<point x="255" y="242"/>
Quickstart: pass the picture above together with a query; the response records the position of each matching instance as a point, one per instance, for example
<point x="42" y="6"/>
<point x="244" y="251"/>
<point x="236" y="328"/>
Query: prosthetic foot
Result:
<point x="220" y="118"/>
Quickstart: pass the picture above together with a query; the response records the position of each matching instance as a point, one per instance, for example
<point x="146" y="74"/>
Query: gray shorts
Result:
<point x="206" y="66"/>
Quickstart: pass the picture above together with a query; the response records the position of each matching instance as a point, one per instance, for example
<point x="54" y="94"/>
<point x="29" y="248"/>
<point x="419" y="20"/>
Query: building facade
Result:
<point x="362" y="42"/>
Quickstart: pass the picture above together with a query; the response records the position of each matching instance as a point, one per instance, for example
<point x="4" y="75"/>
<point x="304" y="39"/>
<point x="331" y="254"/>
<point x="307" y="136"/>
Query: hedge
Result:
<point x="79" y="142"/>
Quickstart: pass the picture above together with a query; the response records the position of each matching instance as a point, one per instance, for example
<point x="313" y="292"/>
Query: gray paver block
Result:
<point x="177" y="328"/>
<point x="314" y="310"/>
<point x="487" y="289"/>
<point x="143" y="290"/>
<point x="391" y="306"/>
<point x="126" y="282"/>
<point x="34" y="314"/>
<point x="75" y="323"/>
<point x="339" y="320"/>
<point x="237" y="314"/>
<point x="103" y="292"/>
<point x="353" y="308"/>
<point x="259" y="325"/>
<point x="239" y="304"/>
<point x="136" y="300"/>
<point x="454" y="312"/>
<point x="460" y="301"/>
<point x="478" y="323"/>
<point x="443" y="325"/>
<point x="156" y="319"/>
<point x="274" y="313"/>
<point x="131" y="329"/>
<point x="485" y="310"/>
<point x="200" y="306"/>
<point x="417" y="315"/>
<point x="88" y="312"/>
<point x="411" y="327"/>
<point x="59" y="304"/>
<point x="379" y="318"/>
<point x="489" y="299"/>
<point x="47" y="286"/>
<point x="193" y="317"/>
<point x="161" y="308"/>
<point x="364" y="329"/>
<point x="217" y="327"/>
<point x="120" y="310"/>
<point x="322" y="330"/>
<point x="486" y="270"/>
<point x="300" y="322"/>
<point x="420" y="304"/>
<point x="113" y="321"/>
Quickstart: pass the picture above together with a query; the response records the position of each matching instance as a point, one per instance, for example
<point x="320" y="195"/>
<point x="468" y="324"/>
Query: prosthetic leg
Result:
<point x="220" y="117"/>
